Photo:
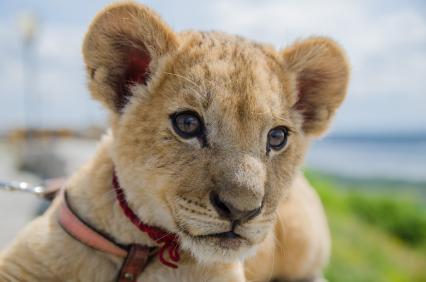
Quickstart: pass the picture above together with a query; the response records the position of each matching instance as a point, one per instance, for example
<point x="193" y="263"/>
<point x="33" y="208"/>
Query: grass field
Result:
<point x="378" y="229"/>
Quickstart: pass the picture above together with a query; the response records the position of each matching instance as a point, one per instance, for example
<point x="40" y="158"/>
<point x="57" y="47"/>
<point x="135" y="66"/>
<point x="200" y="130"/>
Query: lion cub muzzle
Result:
<point x="238" y="189"/>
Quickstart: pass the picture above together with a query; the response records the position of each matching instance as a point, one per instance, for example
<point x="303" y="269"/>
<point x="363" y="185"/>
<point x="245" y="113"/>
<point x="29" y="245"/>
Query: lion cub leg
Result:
<point x="303" y="239"/>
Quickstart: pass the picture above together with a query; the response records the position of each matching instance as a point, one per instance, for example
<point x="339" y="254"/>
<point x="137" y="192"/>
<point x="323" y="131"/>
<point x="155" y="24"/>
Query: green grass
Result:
<point x="377" y="236"/>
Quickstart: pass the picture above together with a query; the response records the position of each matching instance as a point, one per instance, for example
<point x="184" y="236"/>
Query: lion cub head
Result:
<point x="209" y="128"/>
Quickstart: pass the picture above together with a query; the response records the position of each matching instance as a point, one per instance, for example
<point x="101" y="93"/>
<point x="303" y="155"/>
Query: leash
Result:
<point x="47" y="190"/>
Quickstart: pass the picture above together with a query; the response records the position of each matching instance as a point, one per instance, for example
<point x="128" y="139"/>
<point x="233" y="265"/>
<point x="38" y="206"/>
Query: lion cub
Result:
<point x="208" y="131"/>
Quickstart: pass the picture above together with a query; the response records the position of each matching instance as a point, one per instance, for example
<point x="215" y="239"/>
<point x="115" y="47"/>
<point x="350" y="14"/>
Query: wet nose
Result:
<point x="228" y="211"/>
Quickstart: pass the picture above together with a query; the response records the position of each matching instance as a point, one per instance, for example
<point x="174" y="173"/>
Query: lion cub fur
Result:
<point x="241" y="89"/>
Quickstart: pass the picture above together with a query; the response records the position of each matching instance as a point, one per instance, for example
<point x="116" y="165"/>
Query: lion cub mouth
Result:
<point x="226" y="240"/>
<point x="226" y="235"/>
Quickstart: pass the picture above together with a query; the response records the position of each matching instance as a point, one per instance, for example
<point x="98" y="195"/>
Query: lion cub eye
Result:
<point x="277" y="138"/>
<point x="187" y="124"/>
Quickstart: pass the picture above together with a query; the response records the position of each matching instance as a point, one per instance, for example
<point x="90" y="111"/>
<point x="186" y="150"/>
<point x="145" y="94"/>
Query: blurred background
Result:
<point x="370" y="171"/>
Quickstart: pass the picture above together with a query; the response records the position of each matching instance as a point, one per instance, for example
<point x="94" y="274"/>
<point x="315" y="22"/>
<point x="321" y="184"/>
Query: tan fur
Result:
<point x="241" y="89"/>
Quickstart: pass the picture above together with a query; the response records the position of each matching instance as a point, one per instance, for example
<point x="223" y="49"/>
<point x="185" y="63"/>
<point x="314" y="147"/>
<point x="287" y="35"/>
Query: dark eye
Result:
<point x="277" y="138"/>
<point x="187" y="124"/>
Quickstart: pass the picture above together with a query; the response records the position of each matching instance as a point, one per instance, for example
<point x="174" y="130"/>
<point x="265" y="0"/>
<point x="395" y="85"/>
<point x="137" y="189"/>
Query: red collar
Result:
<point x="136" y="256"/>
<point x="169" y="241"/>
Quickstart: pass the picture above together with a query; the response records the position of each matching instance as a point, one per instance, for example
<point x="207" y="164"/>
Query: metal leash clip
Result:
<point x="47" y="190"/>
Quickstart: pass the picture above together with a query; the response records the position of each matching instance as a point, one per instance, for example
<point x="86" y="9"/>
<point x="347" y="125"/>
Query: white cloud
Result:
<point x="386" y="45"/>
<point x="387" y="51"/>
<point x="58" y="94"/>
<point x="61" y="45"/>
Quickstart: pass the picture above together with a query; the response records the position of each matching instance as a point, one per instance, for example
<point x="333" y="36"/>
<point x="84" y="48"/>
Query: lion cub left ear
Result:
<point x="121" y="48"/>
<point x="321" y="74"/>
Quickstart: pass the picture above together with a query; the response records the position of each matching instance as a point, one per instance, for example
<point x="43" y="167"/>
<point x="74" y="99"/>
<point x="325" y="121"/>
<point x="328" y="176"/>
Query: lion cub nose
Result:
<point x="228" y="211"/>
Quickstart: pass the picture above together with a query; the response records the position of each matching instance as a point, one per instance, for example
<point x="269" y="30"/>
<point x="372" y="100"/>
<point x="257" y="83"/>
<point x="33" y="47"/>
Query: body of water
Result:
<point x="388" y="157"/>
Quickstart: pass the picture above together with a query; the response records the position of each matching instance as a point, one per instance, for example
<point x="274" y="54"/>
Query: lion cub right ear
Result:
<point x="121" y="48"/>
<point x="321" y="71"/>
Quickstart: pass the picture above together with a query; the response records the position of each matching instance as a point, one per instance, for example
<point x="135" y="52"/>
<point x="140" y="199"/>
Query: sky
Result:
<point x="385" y="42"/>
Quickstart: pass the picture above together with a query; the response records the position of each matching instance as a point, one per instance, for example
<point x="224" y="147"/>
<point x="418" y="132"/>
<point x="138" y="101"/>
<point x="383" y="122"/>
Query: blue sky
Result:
<point x="385" y="41"/>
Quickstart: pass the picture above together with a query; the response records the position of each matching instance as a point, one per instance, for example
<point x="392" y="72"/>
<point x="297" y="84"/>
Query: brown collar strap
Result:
<point x="136" y="256"/>
<point x="135" y="263"/>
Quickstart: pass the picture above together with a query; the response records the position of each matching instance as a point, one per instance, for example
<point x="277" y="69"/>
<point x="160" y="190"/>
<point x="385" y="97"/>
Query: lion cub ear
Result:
<point x="121" y="48"/>
<point x="321" y="72"/>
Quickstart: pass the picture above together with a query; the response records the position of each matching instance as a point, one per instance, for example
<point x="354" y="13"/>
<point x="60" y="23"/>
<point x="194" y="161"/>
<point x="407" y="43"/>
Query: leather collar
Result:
<point x="136" y="256"/>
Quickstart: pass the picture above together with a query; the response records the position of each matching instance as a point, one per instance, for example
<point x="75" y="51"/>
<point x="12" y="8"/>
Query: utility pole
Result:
<point x="28" y="23"/>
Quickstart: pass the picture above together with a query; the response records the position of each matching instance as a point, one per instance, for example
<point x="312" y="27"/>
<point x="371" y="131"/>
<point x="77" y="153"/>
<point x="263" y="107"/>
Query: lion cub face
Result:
<point x="209" y="128"/>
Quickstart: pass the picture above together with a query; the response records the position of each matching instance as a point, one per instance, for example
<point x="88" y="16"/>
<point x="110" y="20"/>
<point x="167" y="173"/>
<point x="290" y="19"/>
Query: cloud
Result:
<point x="61" y="44"/>
<point x="379" y="45"/>
<point x="386" y="47"/>
<point x="58" y="95"/>
<point x="385" y="41"/>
